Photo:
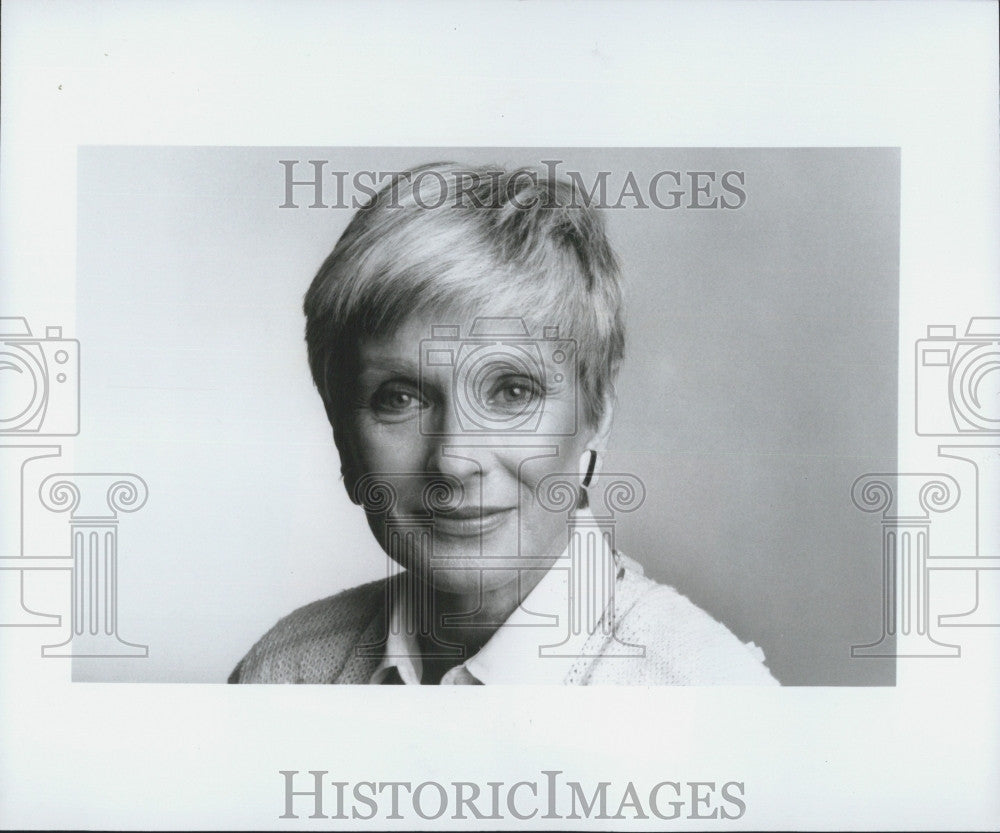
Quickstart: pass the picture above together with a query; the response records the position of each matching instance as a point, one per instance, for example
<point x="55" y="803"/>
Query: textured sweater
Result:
<point x="335" y="640"/>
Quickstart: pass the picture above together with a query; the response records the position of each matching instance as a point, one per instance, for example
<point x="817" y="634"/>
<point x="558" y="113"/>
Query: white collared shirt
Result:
<point x="535" y="646"/>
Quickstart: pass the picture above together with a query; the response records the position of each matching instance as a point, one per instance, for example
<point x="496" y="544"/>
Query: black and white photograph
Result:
<point x="632" y="366"/>
<point x="649" y="374"/>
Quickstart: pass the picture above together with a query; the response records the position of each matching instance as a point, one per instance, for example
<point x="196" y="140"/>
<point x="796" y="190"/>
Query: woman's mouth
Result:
<point x="471" y="521"/>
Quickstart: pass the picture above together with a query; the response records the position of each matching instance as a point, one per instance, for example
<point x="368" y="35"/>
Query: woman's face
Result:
<point x="494" y="416"/>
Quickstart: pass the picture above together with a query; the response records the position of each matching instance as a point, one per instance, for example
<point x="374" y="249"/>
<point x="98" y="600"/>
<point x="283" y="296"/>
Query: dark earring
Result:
<point x="583" y="497"/>
<point x="590" y="469"/>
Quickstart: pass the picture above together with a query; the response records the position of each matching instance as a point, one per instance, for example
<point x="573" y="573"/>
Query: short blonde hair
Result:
<point x="445" y="237"/>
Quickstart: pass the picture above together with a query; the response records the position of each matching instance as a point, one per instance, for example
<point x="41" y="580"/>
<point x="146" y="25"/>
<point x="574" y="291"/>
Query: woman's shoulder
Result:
<point x="680" y="643"/>
<point x="313" y="643"/>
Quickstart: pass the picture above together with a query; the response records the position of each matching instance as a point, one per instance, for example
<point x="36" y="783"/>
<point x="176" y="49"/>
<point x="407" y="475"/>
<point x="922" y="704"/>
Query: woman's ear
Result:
<point x="597" y="443"/>
<point x="602" y="431"/>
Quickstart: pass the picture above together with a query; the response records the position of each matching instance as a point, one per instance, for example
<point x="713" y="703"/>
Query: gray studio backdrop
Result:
<point x="760" y="381"/>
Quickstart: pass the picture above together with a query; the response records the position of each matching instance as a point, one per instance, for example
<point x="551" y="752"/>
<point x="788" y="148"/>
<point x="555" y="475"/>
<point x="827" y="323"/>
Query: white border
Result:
<point x="921" y="76"/>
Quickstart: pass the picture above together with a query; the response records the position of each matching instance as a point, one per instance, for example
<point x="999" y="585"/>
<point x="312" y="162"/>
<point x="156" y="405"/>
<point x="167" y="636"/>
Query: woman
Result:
<point x="464" y="335"/>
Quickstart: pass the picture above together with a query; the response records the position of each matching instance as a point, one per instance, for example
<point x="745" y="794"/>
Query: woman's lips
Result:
<point x="473" y="521"/>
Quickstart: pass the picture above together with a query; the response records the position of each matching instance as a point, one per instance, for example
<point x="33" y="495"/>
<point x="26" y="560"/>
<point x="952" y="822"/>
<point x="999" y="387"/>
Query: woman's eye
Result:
<point x="513" y="394"/>
<point x="395" y="401"/>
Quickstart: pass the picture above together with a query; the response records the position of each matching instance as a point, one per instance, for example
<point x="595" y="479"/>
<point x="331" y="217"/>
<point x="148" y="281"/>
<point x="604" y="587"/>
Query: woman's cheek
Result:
<point x="388" y="449"/>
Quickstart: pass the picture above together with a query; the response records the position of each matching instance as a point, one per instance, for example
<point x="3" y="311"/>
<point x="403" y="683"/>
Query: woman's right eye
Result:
<point x="395" y="400"/>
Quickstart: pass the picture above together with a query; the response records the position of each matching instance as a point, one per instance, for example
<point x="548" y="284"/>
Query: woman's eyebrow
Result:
<point x="392" y="364"/>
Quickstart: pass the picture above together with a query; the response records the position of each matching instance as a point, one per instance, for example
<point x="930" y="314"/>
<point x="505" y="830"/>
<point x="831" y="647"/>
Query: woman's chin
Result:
<point x="469" y="582"/>
<point x="465" y="575"/>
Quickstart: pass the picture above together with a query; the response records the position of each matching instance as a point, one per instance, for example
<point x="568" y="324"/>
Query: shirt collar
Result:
<point x="536" y="645"/>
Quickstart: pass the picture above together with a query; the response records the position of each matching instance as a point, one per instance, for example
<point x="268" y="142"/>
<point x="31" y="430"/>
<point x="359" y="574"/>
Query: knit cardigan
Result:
<point x="336" y="640"/>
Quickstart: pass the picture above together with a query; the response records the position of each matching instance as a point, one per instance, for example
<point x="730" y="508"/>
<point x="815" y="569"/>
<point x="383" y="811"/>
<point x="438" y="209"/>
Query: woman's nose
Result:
<point x="455" y="449"/>
<point x="448" y="456"/>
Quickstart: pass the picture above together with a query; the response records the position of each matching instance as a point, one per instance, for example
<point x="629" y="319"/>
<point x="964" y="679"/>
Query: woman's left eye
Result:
<point x="513" y="393"/>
